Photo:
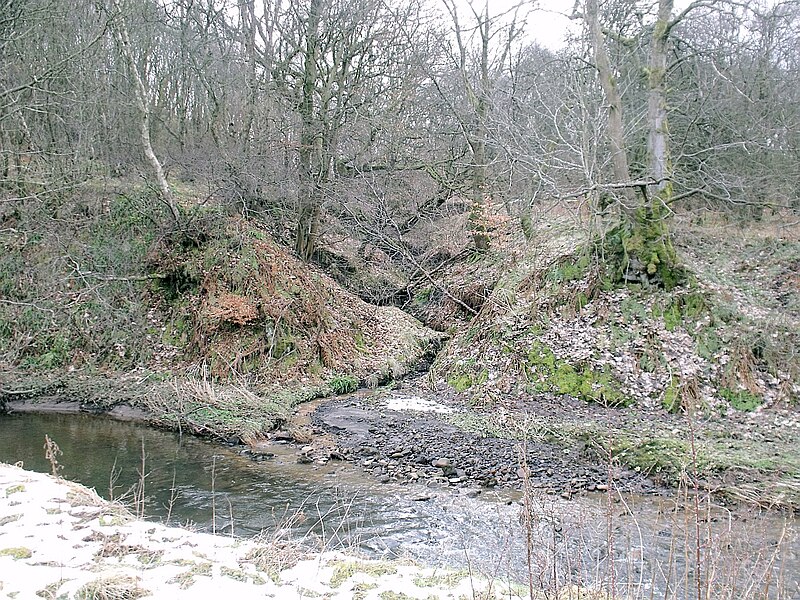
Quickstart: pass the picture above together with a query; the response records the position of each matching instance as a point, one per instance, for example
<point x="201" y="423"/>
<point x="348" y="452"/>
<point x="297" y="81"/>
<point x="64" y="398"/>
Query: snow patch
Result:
<point x="408" y="402"/>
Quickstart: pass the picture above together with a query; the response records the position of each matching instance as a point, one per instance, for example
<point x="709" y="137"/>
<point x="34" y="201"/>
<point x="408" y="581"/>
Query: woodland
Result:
<point x="216" y="210"/>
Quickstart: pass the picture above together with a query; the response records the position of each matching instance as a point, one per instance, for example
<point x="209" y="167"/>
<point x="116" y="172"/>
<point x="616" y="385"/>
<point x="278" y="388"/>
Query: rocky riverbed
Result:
<point x="402" y="437"/>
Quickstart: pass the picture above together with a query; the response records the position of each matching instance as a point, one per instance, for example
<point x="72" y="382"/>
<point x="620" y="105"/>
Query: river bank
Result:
<point x="413" y="434"/>
<point x="331" y="505"/>
<point x="61" y="540"/>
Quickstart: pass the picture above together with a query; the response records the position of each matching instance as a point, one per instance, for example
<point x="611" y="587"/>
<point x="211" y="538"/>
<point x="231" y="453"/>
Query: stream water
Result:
<point x="187" y="480"/>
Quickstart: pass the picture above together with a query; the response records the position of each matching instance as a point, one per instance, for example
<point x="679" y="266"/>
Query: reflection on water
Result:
<point x="186" y="479"/>
<point x="189" y="480"/>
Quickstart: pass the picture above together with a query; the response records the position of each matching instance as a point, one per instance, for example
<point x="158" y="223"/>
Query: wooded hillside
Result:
<point x="161" y="162"/>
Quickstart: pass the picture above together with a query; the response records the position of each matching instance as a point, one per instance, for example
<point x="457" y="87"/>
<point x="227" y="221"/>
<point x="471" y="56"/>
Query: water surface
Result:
<point x="187" y="480"/>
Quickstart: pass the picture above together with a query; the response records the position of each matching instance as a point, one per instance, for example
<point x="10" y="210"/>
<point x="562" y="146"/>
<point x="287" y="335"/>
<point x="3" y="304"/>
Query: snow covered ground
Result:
<point x="60" y="540"/>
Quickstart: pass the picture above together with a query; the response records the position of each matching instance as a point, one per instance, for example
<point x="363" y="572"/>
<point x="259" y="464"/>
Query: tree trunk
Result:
<point x="616" y="127"/>
<point x="140" y="92"/>
<point x="650" y="228"/>
<point x="658" y="140"/>
<point x="307" y="230"/>
<point x="640" y="247"/>
<point x="308" y="218"/>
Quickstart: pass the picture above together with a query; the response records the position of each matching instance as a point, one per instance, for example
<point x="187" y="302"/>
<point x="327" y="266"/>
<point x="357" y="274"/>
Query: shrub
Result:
<point x="343" y="384"/>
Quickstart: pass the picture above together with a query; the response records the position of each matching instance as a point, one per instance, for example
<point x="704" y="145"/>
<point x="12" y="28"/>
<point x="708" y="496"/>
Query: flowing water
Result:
<point x="185" y="480"/>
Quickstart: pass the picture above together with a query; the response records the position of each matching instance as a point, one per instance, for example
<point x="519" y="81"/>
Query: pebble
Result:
<point x="425" y="450"/>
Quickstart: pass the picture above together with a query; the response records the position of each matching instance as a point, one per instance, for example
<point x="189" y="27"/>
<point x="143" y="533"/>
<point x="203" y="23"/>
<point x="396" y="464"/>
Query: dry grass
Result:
<point x="119" y="587"/>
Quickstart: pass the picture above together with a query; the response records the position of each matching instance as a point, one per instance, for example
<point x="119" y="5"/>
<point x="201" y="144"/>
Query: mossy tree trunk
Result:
<point x="640" y="247"/>
<point x="651" y="225"/>
<point x="308" y="217"/>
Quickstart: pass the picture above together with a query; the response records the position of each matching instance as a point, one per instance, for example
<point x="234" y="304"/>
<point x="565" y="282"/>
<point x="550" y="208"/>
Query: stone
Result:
<point x="441" y="463"/>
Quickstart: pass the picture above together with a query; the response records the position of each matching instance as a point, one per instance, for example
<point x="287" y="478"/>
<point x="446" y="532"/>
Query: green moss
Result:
<point x="449" y="580"/>
<point x="640" y="248"/>
<point x="186" y="579"/>
<point x="14" y="489"/>
<point x="666" y="456"/>
<point x="358" y="339"/>
<point x="622" y="335"/>
<point x="56" y="351"/>
<point x="680" y="309"/>
<point x="581" y="300"/>
<point x="17" y="553"/>
<point x="707" y="343"/>
<point x="571" y="269"/>
<point x="423" y="296"/>
<point x="632" y="310"/>
<point x="343" y="571"/>
<point x="177" y="331"/>
<point x="465" y="374"/>
<point x="550" y="374"/>
<point x="672" y="399"/>
<point x="741" y="399"/>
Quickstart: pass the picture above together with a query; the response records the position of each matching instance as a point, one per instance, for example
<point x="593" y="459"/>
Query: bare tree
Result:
<point x="120" y="28"/>
<point x="644" y="249"/>
<point x="45" y="49"/>
<point x="482" y="49"/>
<point x="338" y="63"/>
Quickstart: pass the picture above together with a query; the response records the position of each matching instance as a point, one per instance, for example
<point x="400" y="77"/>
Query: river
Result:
<point x="185" y="480"/>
